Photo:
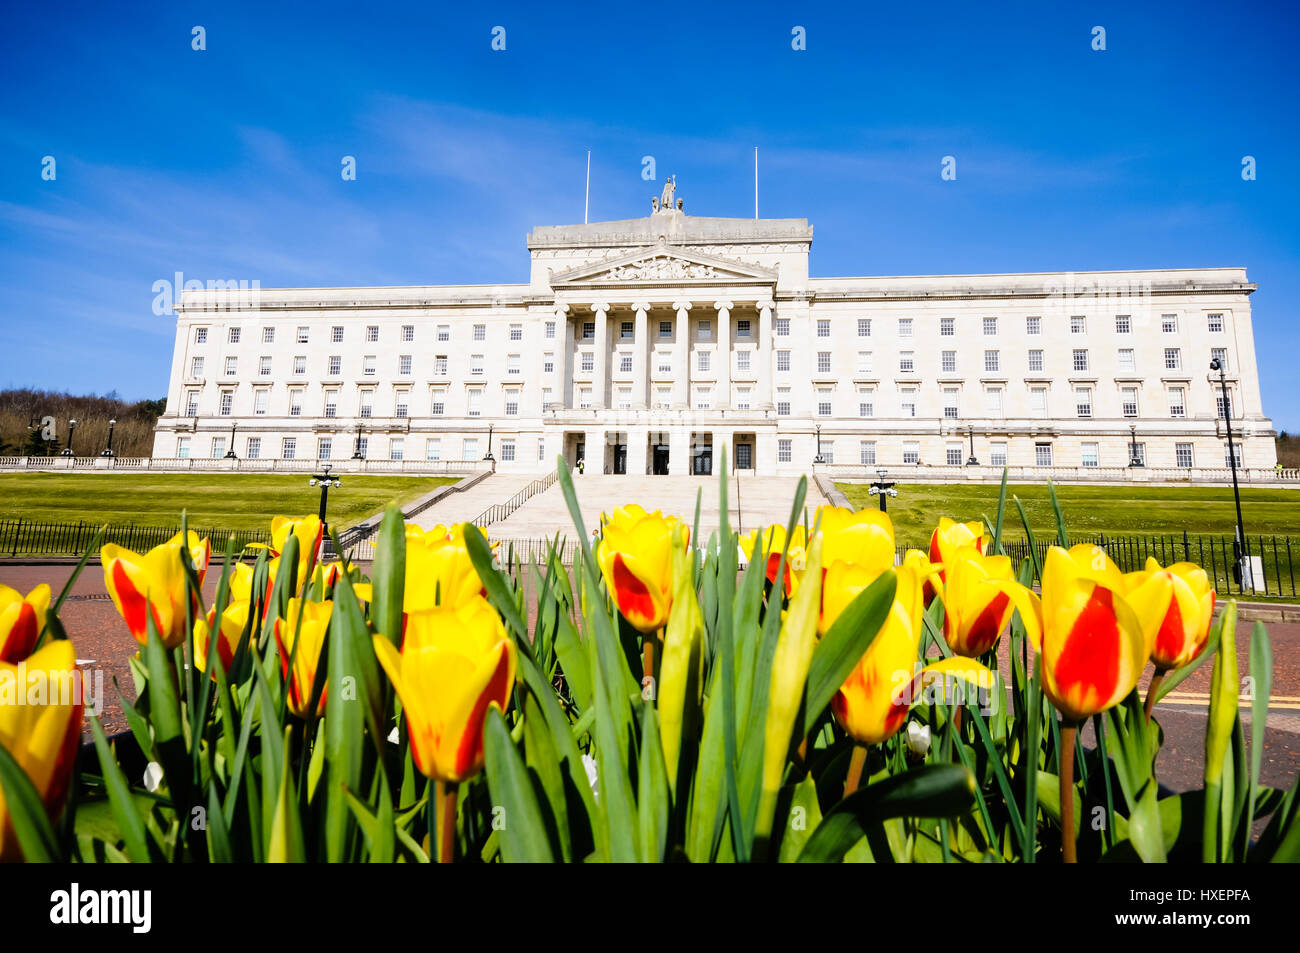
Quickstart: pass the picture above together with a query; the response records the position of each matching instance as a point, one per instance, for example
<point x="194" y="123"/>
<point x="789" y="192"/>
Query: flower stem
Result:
<point x="445" y="809"/>
<point x="1156" y="679"/>
<point x="1069" y="731"/>
<point x="856" y="763"/>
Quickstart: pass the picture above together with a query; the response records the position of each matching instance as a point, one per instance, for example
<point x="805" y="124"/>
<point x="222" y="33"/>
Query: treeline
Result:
<point x="22" y="413"/>
<point x="1288" y="449"/>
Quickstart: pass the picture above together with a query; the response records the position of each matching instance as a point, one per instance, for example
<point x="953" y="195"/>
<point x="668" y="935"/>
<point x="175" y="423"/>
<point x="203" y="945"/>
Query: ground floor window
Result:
<point x="1089" y="455"/>
<point x="507" y="451"/>
<point x="784" y="454"/>
<point x="1229" y="455"/>
<point x="1043" y="454"/>
<point x="218" y="447"/>
<point x="324" y="448"/>
<point x="911" y="452"/>
<point x="1183" y="455"/>
<point x="998" y="454"/>
<point x="396" y="448"/>
<point x="952" y="455"/>
<point x="867" y="453"/>
<point x="254" y="447"/>
<point x="433" y="448"/>
<point x="469" y="450"/>
<point x="289" y="448"/>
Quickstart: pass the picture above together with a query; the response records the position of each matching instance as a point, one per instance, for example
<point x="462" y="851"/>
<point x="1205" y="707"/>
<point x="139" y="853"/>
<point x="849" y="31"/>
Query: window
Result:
<point x="702" y="361"/>
<point x="1123" y="324"/>
<point x="548" y="363"/>
<point x="254" y="450"/>
<point x="784" y="453"/>
<point x="191" y="403"/>
<point x="864" y="327"/>
<point x="993" y="402"/>
<point x="367" y="403"/>
<point x="548" y="396"/>
<point x="331" y="403"/>
<point x="828" y="451"/>
<point x="324" y="448"/>
<point x="300" y="365"/>
<point x="588" y="362"/>
<point x="288" y="448"/>
<point x="444" y="332"/>
<point x="336" y="334"/>
<point x="743" y="327"/>
<point x="259" y="401"/>
<point x="1033" y="326"/>
<point x="1078" y="324"/>
<point x="947" y="327"/>
<point x="218" y="447"/>
<point x="704" y="398"/>
<point x="625" y="330"/>
<point x="1214" y="323"/>
<point x="588" y="331"/>
<point x="264" y="366"/>
<point x="1038" y="401"/>
<point x="1126" y="360"/>
<point x="396" y="448"/>
<point x="950" y="403"/>
<point x="233" y="335"/>
<point x="1138" y="452"/>
<point x="303" y="335"/>
<point x="1173" y="359"/>
<point x="475" y="403"/>
<point x="1183" y="455"/>
<point x="1177" y="402"/>
<point x="907" y="403"/>
<point x="823" y="328"/>
<point x="402" y="404"/>
<point x="904" y="327"/>
<point x="1036" y="360"/>
<point x="665" y="330"/>
<point x="517" y="332"/>
<point x="368" y="365"/>
<point x="998" y="454"/>
<point x="865" y="364"/>
<point x="408" y="332"/>
<point x="663" y="397"/>
<point x="952" y="454"/>
<point x="783" y="402"/>
<point x="744" y="397"/>
<point x="990" y="327"/>
<point x="232" y="366"/>
<point x="1233" y="456"/>
<point x="866" y="402"/>
<point x="665" y="363"/>
<point x="1220" y="354"/>
<point x="911" y="451"/>
<point x="512" y="403"/>
<point x="550" y="330"/>
<point x="200" y="335"/>
<point x="1089" y="455"/>
<point x="948" y="362"/>
<point x="183" y="448"/>
<point x="335" y="365"/>
<point x="783" y="327"/>
<point x="1223" y="406"/>
<point x="513" y="368"/>
<point x="507" y="450"/>
<point x="907" y="362"/>
<point x="624" y="398"/>
<point x="196" y="367"/>
<point x="227" y="400"/>
<point x="541" y="449"/>
<point x="1083" y="401"/>
<point x="469" y="449"/>
<point x="433" y="448"/>
<point x="824" y="401"/>
<point x="440" y="365"/>
<point x="991" y="362"/>
<point x="625" y="362"/>
<point x="1128" y="399"/>
<point x="782" y="360"/>
<point x="480" y="331"/>
<point x="867" y="453"/>
<point x="1043" y="454"/>
<point x="1169" y="323"/>
<point x="476" y="365"/>
<point x="1080" y="359"/>
<point x="584" y="398"/>
<point x="268" y="335"/>
<point x="703" y="329"/>
<point x="742" y="361"/>
<point x="404" y="364"/>
<point x="439" y="406"/>
<point x="372" y="332"/>
<point x="823" y="362"/>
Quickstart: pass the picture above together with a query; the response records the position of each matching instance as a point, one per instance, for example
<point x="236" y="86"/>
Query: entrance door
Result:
<point x="620" y="458"/>
<point x="579" y="452"/>
<point x="660" y="459"/>
<point x="702" y="459"/>
<point x="744" y="456"/>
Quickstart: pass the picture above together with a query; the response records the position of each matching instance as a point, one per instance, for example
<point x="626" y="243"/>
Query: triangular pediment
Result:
<point x="662" y="264"/>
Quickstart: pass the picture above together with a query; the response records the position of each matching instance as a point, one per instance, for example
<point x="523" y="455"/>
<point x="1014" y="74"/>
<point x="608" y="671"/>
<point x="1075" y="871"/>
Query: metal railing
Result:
<point x="499" y="511"/>
<point x="259" y="465"/>
<point x="24" y="537"/>
<point x="932" y="473"/>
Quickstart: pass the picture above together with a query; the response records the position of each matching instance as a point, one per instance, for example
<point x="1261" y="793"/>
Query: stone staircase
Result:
<point x="466" y="506"/>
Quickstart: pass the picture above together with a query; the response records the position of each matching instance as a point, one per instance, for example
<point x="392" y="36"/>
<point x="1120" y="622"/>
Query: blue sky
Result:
<point x="224" y="164"/>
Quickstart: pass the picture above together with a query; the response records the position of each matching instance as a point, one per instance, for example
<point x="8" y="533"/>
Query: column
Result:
<point x="723" y="400"/>
<point x="679" y="450"/>
<point x="764" y="395"/>
<point x="638" y="440"/>
<point x="640" y="366"/>
<point x="599" y="380"/>
<point x="681" y="361"/>
<point x="563" y="356"/>
<point x="596" y="451"/>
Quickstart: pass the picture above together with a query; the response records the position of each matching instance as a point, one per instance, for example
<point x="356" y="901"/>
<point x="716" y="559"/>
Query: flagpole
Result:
<point x="755" y="182"/>
<point x="586" y="202"/>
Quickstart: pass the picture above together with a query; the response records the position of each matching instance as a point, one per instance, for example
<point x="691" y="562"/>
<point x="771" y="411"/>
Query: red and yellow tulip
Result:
<point x="979" y="594"/>
<point x="1183" y="631"/>
<point x="455" y="661"/>
<point x="773" y="542"/>
<point x="635" y="557"/>
<point x="438" y="568"/>
<point x="233" y="622"/>
<point x="864" y="538"/>
<point x="21" y="620"/>
<point x="310" y="637"/>
<point x="308" y="531"/>
<point x="948" y="537"/>
<point x="1097" y="629"/>
<point x="41" y="737"/>
<point x="154" y="584"/>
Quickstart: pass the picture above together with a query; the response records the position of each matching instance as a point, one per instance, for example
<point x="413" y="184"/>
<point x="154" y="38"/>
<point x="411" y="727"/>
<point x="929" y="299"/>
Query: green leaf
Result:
<point x="388" y="576"/>
<point x="803" y="818"/>
<point x="27" y="812"/>
<point x="652" y="796"/>
<point x="285" y="845"/>
<point x="129" y="822"/>
<point x="523" y="838"/>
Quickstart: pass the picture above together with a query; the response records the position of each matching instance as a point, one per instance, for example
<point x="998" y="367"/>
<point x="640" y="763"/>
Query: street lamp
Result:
<point x="819" y="458"/>
<point x="324" y="481"/>
<point x="230" y="454"/>
<point x="356" y="452"/>
<point x="72" y="427"/>
<point x="1238" y="544"/>
<point x="1133" y="459"/>
<point x="972" y="462"/>
<point x="488" y="455"/>
<point x="108" y="451"/>
<point x="882" y="489"/>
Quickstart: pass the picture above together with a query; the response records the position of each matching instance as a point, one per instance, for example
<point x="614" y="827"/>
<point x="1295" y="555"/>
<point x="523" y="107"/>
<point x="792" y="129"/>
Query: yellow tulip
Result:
<point x="948" y="537"/>
<point x="41" y="733"/>
<point x="438" y="568"/>
<point x="979" y="595"/>
<point x="233" y="622"/>
<point x="308" y="531"/>
<point x="455" y="661"/>
<point x="1185" y="627"/>
<point x="635" y="557"/>
<point x="864" y="538"/>
<point x="310" y="637"/>
<point x="21" y="621"/>
<point x="773" y="541"/>
<point x="682" y="673"/>
<point x="154" y="583"/>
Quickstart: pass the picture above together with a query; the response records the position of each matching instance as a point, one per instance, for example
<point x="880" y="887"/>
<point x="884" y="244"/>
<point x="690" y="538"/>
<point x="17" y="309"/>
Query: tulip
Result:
<point x="773" y="542"/>
<point x="865" y="538"/>
<point x="682" y="671"/>
<point x="305" y="624"/>
<point x="21" y="621"/>
<point x="233" y="622"/>
<point x="308" y="531"/>
<point x="438" y="568"/>
<point x="1183" y="631"/>
<point x="635" y="558"/>
<point x="41" y="734"/>
<point x="948" y="537"/>
<point x="979" y="595"/>
<point x="154" y="584"/>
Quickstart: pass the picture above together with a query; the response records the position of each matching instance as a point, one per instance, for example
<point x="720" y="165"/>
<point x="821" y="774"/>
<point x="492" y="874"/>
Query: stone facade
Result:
<point x="644" y="345"/>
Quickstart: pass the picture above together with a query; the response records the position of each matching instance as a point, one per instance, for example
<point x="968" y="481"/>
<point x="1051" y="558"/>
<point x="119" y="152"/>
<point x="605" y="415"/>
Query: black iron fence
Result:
<point x="24" y="537"/>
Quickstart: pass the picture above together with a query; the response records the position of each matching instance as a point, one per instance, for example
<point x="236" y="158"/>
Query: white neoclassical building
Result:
<point x="643" y="345"/>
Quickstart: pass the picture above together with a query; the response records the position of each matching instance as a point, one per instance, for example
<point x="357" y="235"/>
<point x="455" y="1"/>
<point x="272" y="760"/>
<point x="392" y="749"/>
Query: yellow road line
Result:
<point x="1206" y="695"/>
<point x="1204" y="703"/>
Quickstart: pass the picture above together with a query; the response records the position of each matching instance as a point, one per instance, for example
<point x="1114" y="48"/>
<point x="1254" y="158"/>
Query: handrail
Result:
<point x="499" y="511"/>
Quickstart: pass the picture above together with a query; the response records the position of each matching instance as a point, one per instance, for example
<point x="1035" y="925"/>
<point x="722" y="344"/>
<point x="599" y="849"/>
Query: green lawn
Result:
<point x="216" y="500"/>
<point x="1090" y="509"/>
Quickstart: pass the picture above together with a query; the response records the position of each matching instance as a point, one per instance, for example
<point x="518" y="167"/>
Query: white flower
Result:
<point x="918" y="738"/>
<point x="152" y="776"/>
<point x="589" y="763"/>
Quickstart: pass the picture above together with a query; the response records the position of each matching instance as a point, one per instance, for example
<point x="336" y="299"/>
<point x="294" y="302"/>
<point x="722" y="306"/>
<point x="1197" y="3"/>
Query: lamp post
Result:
<point x="882" y="489"/>
<point x="972" y="462"/>
<point x="356" y="450"/>
<point x="230" y="454"/>
<point x="819" y="458"/>
<point x="72" y="428"/>
<point x="1133" y="459"/>
<point x="108" y="451"/>
<point x="1239" y="551"/>
<point x="324" y="481"/>
<point x="488" y="455"/>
